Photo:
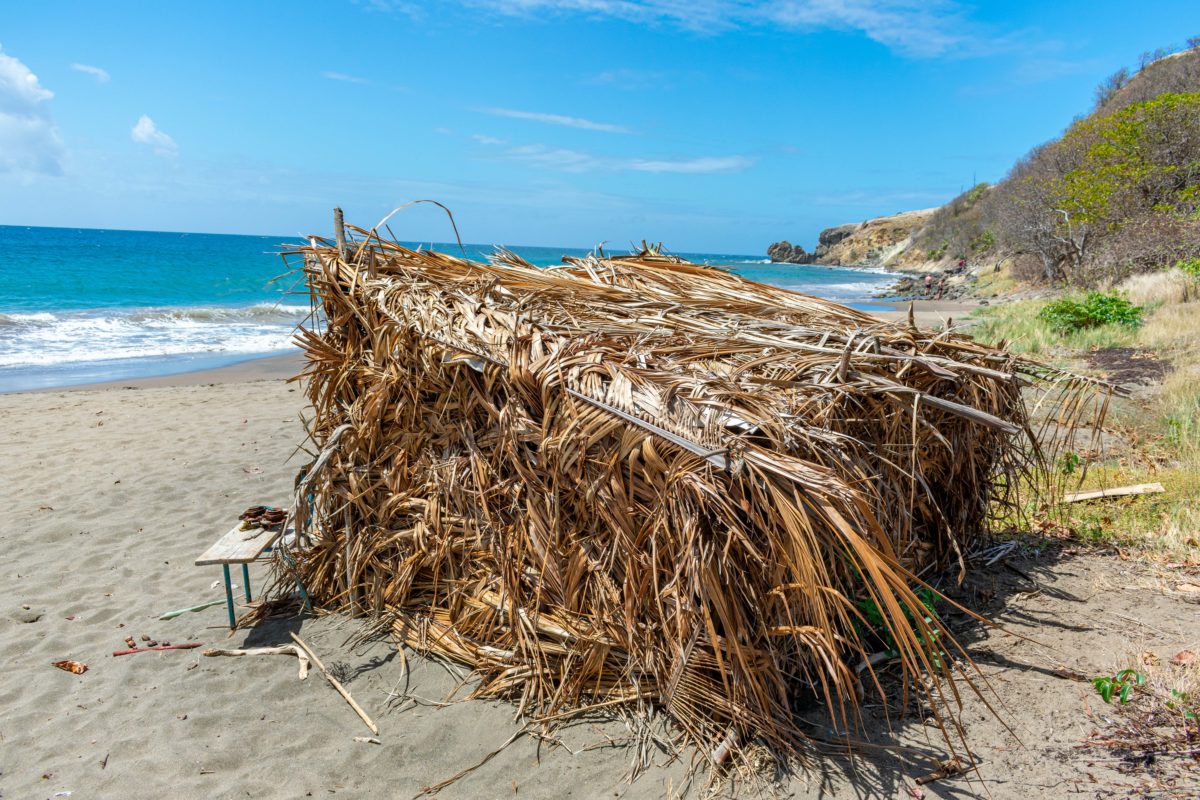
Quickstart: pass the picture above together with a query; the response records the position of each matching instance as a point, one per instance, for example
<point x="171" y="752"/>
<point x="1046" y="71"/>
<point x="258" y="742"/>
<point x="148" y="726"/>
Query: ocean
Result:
<point x="82" y="305"/>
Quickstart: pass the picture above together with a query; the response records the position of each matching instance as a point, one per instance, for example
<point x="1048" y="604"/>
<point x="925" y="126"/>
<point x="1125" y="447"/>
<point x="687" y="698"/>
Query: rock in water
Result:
<point x="785" y="251"/>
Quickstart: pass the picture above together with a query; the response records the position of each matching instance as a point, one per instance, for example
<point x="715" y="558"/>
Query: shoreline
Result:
<point x="280" y="366"/>
<point x="283" y="366"/>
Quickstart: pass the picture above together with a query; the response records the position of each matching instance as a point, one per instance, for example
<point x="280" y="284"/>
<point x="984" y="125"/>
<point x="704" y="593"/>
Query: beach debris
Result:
<point x="283" y="649"/>
<point x="336" y="684"/>
<point x="218" y="583"/>
<point x="651" y="486"/>
<point x="950" y="768"/>
<point x="132" y="651"/>
<point x="181" y="611"/>
<point x="367" y="740"/>
<point x="129" y="642"/>
<point x="1119" y="491"/>
<point x="1184" y="658"/>
<point x="75" y="667"/>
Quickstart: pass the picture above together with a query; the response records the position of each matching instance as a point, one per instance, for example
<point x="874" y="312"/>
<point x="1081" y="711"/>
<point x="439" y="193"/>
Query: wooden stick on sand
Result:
<point x="1121" y="491"/>
<point x="283" y="649"/>
<point x="336" y="685"/>
<point x="187" y="646"/>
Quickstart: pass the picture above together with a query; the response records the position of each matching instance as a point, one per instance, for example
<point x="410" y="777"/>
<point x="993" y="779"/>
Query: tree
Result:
<point x="1111" y="85"/>
<point x="1119" y="192"/>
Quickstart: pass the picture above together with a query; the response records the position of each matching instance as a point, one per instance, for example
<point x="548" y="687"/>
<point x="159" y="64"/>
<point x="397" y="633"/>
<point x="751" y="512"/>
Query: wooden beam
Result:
<point x="1120" y="491"/>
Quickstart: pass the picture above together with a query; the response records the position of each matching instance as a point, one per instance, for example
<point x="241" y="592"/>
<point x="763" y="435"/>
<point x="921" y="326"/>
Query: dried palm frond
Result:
<point x="640" y="482"/>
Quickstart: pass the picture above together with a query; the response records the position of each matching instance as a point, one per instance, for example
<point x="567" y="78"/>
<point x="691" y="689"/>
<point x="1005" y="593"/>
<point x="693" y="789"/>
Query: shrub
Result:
<point x="1189" y="267"/>
<point x="1069" y="314"/>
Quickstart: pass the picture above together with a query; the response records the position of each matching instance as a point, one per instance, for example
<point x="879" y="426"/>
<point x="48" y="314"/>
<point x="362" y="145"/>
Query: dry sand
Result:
<point x="111" y="493"/>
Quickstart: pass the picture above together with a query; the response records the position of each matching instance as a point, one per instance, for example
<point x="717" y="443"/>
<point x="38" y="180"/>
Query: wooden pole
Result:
<point x="339" y="233"/>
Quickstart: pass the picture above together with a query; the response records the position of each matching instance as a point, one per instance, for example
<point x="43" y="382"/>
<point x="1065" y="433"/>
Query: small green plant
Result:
<point x="1183" y="703"/>
<point x="1119" y="685"/>
<point x="1070" y="314"/>
<point x="1069" y="463"/>
<point x="874" y="619"/>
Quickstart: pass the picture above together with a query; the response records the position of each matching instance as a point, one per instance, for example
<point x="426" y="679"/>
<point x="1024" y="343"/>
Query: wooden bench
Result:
<point x="239" y="547"/>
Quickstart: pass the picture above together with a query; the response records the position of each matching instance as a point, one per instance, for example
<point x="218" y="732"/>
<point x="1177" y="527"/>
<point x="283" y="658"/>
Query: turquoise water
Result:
<point x="82" y="305"/>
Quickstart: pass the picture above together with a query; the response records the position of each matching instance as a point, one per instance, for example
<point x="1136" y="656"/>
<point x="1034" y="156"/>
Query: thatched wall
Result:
<point x="642" y="483"/>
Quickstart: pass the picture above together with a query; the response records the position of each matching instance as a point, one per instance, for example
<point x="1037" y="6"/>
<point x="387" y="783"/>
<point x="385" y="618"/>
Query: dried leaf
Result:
<point x="1184" y="658"/>
<point x="76" y="667"/>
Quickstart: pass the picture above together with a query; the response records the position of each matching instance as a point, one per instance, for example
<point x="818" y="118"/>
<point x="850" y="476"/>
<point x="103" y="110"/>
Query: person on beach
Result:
<point x="941" y="289"/>
<point x="928" y="285"/>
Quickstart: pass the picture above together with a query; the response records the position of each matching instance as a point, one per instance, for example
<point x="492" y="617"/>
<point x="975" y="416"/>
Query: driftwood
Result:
<point x="181" y="611"/>
<point x="188" y="646"/>
<point x="279" y="650"/>
<point x="337" y="685"/>
<point x="1120" y="491"/>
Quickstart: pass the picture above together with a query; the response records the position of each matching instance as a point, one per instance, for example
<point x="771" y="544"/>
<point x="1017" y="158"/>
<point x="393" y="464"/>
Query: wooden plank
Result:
<point x="239" y="546"/>
<point x="1120" y="491"/>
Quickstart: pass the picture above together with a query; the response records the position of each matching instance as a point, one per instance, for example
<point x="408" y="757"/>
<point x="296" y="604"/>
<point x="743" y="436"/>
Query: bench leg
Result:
<point x="246" y="580"/>
<point x="229" y="597"/>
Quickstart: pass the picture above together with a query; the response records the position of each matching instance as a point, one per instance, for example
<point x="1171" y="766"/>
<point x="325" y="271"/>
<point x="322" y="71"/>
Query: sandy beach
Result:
<point x="112" y="491"/>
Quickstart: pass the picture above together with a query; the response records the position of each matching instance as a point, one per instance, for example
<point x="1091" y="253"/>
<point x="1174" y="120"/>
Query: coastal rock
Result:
<point x="789" y="253"/>
<point x="879" y="242"/>
<point x="831" y="236"/>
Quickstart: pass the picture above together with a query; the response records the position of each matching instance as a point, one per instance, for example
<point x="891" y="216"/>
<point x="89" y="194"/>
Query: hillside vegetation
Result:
<point x="1117" y="194"/>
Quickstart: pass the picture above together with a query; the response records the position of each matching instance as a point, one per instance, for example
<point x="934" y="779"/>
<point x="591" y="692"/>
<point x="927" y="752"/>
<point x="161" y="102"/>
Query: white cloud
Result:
<point x="556" y="119"/>
<point x="101" y="75"/>
<point x="691" y="166"/>
<point x="147" y="133"/>
<point x="483" y="138"/>
<point x="562" y="159"/>
<point x="916" y="28"/>
<point x="344" y="78"/>
<point x="30" y="143"/>
<point x="556" y="158"/>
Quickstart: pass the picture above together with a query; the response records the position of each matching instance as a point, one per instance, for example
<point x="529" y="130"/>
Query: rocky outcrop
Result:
<point x="879" y="242"/>
<point x="831" y="236"/>
<point x="789" y="253"/>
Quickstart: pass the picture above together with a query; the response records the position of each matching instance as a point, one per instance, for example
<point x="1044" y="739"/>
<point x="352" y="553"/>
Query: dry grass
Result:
<point x="1166" y="287"/>
<point x="1161" y="426"/>
<point x="645" y="485"/>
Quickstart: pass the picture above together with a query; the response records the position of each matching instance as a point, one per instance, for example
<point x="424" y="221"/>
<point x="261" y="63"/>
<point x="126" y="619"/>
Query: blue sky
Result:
<point x="712" y="125"/>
